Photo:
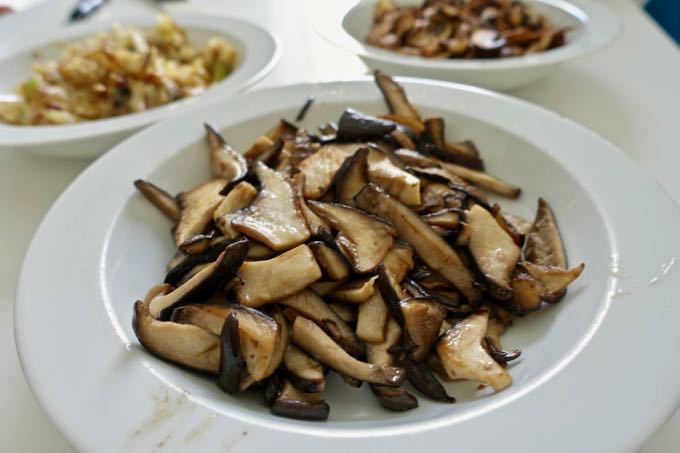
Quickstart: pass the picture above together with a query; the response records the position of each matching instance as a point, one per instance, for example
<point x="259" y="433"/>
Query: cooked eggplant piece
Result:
<point x="422" y="319"/>
<point x="333" y="265"/>
<point x="357" y="291"/>
<point x="430" y="247"/>
<point x="165" y="202"/>
<point x="240" y="196"/>
<point x="197" y="244"/>
<point x="269" y="280"/>
<point x="397" y="182"/>
<point x="543" y="244"/>
<point x="262" y="339"/>
<point x="232" y="365"/>
<point x="347" y="312"/>
<point x="483" y="180"/>
<point x="464" y="357"/>
<point x="273" y="218"/>
<point x="321" y="167"/>
<point x="303" y="372"/>
<point x="292" y="403"/>
<point x="372" y="318"/>
<point x="393" y="398"/>
<point x="358" y="126"/>
<point x="395" y="96"/>
<point x="351" y="177"/>
<point x="493" y="250"/>
<point x="186" y="345"/>
<point x="226" y="162"/>
<point x="201" y="285"/>
<point x="552" y="281"/>
<point x="398" y="261"/>
<point x="198" y="206"/>
<point x="422" y="378"/>
<point x="311" y="306"/>
<point x="312" y="339"/>
<point x="452" y="153"/>
<point x="364" y="239"/>
<point x="444" y="218"/>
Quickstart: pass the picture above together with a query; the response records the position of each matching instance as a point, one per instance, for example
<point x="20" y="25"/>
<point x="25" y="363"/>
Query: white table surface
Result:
<point x="629" y="93"/>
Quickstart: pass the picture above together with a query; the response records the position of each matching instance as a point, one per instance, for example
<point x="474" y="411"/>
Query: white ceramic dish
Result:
<point x="346" y="24"/>
<point x="590" y="365"/>
<point x="257" y="49"/>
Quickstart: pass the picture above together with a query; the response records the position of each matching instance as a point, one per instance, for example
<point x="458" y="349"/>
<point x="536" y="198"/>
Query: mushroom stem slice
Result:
<point x="186" y="345"/>
<point x="433" y="250"/>
<point x="553" y="281"/>
<point x="165" y="202"/>
<point x="493" y="250"/>
<point x="225" y="161"/>
<point x="543" y="244"/>
<point x="269" y="280"/>
<point x="273" y="218"/>
<point x="333" y="265"/>
<point x="198" y="206"/>
<point x="201" y="285"/>
<point x="482" y="180"/>
<point x="292" y="403"/>
<point x="304" y="372"/>
<point x="398" y="261"/>
<point x="240" y="196"/>
<point x="395" y="96"/>
<point x="310" y="338"/>
<point x="311" y="306"/>
<point x="464" y="357"/>
<point x="396" y="181"/>
<point x="372" y="318"/>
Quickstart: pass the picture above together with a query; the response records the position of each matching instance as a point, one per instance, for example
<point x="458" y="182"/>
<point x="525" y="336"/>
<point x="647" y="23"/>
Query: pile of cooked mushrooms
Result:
<point x="463" y="29"/>
<point x="369" y="248"/>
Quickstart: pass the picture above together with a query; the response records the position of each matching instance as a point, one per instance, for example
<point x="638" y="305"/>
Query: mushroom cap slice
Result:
<point x="269" y="280"/>
<point x="198" y="206"/>
<point x="432" y="249"/>
<point x="398" y="261"/>
<point x="261" y="337"/>
<point x="273" y="218"/>
<point x="332" y="263"/>
<point x="422" y="378"/>
<point x="293" y="403"/>
<point x="422" y="320"/>
<point x="304" y="372"/>
<point x="225" y="161"/>
<point x="493" y="250"/>
<point x="395" y="96"/>
<point x="396" y="181"/>
<point x="351" y="177"/>
<point x="240" y="196"/>
<point x="316" y="225"/>
<point x="165" y="202"/>
<point x="363" y="238"/>
<point x="463" y="356"/>
<point x="312" y="339"/>
<point x="186" y="345"/>
<point x="202" y="284"/>
<point x="321" y="167"/>
<point x="552" y="281"/>
<point x="543" y="244"/>
<point x="526" y="293"/>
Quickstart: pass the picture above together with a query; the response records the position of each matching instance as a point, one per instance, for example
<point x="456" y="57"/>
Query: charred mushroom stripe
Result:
<point x="432" y="249"/>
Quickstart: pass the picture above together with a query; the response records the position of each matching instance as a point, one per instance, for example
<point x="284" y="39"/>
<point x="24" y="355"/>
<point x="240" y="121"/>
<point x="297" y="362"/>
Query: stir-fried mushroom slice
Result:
<point x="273" y="218"/>
<point x="520" y="225"/>
<point x="391" y="292"/>
<point x="232" y="368"/>
<point x="302" y="371"/>
<point x="347" y="312"/>
<point x="423" y="379"/>
<point x="240" y="196"/>
<point x="186" y="345"/>
<point x="433" y="250"/>
<point x="444" y="218"/>
<point x="454" y="154"/>
<point x="321" y="167"/>
<point x="422" y="319"/>
<point x="324" y="287"/>
<point x="372" y="319"/>
<point x="364" y="239"/>
<point x="543" y="245"/>
<point x="226" y="162"/>
<point x="282" y="131"/>
<point x="483" y="180"/>
<point x="269" y="280"/>
<point x="493" y="250"/>
<point x="395" y="96"/>
<point x="398" y="261"/>
<point x="413" y="158"/>
<point x="184" y="267"/>
<point x="333" y="265"/>
<point x="526" y="293"/>
<point x="402" y="139"/>
<point x="315" y="224"/>
<point x="357" y="291"/>
<point x="293" y="403"/>
<point x="259" y="148"/>
<point x="357" y="126"/>
<point x="198" y="206"/>
<point x="393" y="398"/>
<point x="262" y="341"/>
<point x="351" y="177"/>
<point x="197" y="244"/>
<point x="312" y="339"/>
<point x="165" y="202"/>
<point x="552" y="281"/>
<point x="464" y="357"/>
<point x="397" y="182"/>
<point x="308" y="304"/>
<point x="203" y="283"/>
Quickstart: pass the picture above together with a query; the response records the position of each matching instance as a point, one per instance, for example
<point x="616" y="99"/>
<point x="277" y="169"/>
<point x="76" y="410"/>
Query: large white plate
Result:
<point x="598" y="371"/>
<point x="258" y="53"/>
<point x="592" y="26"/>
